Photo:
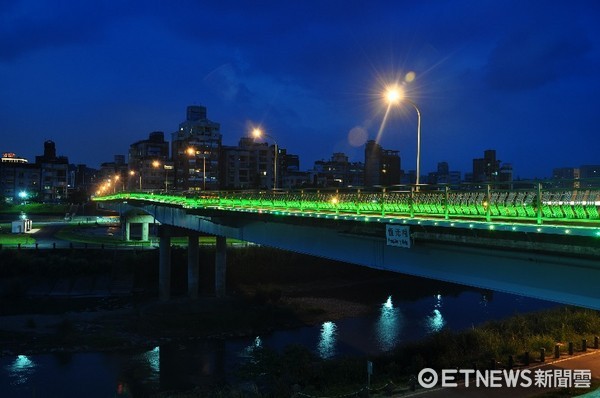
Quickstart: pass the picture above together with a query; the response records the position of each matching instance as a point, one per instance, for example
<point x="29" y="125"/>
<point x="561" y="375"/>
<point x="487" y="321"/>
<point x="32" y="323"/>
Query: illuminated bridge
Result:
<point x="537" y="242"/>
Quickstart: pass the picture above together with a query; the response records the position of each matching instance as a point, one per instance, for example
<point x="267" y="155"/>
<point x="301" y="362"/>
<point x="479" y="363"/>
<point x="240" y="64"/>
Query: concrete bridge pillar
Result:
<point x="145" y="231"/>
<point x="220" y="266"/>
<point x="164" y="267"/>
<point x="193" y="266"/>
<point x="127" y="230"/>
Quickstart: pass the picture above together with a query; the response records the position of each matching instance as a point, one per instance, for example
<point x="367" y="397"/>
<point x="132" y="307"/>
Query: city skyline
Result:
<point x="511" y="76"/>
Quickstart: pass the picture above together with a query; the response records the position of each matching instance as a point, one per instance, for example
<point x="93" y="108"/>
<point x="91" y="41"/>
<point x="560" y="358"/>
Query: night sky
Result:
<point x="521" y="77"/>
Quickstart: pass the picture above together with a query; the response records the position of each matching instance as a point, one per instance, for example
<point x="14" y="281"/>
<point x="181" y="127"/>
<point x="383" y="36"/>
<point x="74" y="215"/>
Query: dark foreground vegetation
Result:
<point x="262" y="286"/>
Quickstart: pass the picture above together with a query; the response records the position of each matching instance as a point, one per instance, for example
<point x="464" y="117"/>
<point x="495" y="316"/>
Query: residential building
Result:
<point x="486" y="169"/>
<point x="147" y="161"/>
<point x="53" y="174"/>
<point x="19" y="179"/>
<point x="382" y="167"/>
<point x="339" y="172"/>
<point x="250" y="165"/>
<point x="196" y="150"/>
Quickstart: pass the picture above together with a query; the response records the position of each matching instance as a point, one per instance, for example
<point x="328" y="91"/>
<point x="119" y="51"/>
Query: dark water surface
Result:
<point x="394" y="319"/>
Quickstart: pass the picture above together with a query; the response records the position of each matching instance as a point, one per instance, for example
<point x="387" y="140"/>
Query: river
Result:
<point x="394" y="319"/>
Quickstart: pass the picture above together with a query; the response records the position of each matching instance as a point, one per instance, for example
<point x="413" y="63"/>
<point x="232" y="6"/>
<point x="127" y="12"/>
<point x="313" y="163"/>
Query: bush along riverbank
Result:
<point x="516" y="342"/>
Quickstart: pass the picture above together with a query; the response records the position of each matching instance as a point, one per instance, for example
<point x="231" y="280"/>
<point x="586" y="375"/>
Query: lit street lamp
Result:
<point x="395" y="95"/>
<point x="117" y="178"/>
<point x="156" y="164"/>
<point x="132" y="173"/>
<point x="192" y="152"/>
<point x="257" y="133"/>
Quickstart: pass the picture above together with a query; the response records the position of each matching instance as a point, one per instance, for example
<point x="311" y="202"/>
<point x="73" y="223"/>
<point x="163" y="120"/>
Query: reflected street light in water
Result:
<point x="395" y="95"/>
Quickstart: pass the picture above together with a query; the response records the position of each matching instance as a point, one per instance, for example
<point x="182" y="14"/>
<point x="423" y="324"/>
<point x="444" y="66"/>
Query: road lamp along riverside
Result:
<point x="192" y="152"/>
<point x="156" y="164"/>
<point x="395" y="95"/>
<point x="132" y="173"/>
<point x="257" y="133"/>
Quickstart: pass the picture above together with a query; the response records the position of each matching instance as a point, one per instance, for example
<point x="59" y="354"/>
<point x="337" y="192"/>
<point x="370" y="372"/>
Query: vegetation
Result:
<point x="494" y="340"/>
<point x="34" y="208"/>
<point x="14" y="239"/>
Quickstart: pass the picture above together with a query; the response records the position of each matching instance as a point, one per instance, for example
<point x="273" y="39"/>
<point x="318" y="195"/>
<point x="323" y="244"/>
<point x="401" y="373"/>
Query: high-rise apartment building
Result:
<point x="486" y="169"/>
<point x="149" y="163"/>
<point x="195" y="151"/>
<point x="250" y="165"/>
<point x="53" y="174"/>
<point x="382" y="166"/>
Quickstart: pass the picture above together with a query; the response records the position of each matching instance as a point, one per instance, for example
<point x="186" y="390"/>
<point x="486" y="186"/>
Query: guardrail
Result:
<point x="537" y="205"/>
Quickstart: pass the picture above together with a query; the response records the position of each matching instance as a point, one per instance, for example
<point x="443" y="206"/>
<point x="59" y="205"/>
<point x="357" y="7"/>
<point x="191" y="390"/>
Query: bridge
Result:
<point x="537" y="242"/>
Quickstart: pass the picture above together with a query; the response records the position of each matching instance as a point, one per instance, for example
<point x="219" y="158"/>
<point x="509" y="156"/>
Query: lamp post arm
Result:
<point x="418" y="140"/>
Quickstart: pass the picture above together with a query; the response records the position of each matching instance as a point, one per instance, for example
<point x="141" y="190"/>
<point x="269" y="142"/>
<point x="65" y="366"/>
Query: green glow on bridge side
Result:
<point x="567" y="212"/>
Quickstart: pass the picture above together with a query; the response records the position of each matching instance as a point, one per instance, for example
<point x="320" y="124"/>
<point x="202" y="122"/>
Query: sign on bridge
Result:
<point x="398" y="235"/>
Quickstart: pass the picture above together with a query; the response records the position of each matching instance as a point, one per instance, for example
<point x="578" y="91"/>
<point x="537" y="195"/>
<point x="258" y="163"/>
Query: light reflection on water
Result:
<point x="389" y="326"/>
<point x="395" y="320"/>
<point x="249" y="350"/>
<point x="435" y="321"/>
<point x="152" y="359"/>
<point x="327" y="340"/>
<point x="21" y="369"/>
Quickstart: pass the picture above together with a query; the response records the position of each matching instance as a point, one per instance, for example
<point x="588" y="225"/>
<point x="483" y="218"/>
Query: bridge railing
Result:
<point x="535" y="202"/>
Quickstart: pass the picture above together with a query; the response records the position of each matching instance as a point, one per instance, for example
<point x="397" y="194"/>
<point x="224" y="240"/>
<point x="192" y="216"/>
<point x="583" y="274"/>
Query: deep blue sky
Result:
<point x="521" y="77"/>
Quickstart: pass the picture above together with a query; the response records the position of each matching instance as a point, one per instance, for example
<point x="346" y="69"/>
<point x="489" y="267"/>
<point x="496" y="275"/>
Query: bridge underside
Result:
<point x="570" y="279"/>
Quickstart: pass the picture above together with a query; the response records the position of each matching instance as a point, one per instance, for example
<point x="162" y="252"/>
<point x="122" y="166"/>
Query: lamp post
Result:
<point x="117" y="178"/>
<point x="156" y="164"/>
<point x="257" y="133"/>
<point x="132" y="173"/>
<point x="192" y="152"/>
<point x="394" y="95"/>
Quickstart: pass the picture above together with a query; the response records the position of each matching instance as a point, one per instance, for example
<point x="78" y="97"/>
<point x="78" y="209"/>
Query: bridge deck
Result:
<point x="560" y="211"/>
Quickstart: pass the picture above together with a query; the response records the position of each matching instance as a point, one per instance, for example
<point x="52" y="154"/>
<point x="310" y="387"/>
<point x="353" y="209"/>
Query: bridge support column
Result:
<point x="220" y="266"/>
<point x="145" y="231"/>
<point x="126" y="230"/>
<point x="164" y="267"/>
<point x="193" y="266"/>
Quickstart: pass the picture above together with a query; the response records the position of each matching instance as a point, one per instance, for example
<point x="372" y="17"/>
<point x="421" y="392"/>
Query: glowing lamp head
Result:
<point x="155" y="163"/>
<point x="394" y="94"/>
<point x="191" y="151"/>
<point x="257" y="133"/>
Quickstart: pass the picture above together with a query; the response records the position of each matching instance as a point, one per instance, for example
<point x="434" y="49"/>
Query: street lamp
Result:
<point x="132" y="173"/>
<point x="395" y="95"/>
<point x="192" y="152"/>
<point x="156" y="164"/>
<point x="257" y="133"/>
<point x="117" y="178"/>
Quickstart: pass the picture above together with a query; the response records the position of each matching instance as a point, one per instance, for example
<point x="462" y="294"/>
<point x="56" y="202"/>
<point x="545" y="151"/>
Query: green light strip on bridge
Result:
<point x="513" y="212"/>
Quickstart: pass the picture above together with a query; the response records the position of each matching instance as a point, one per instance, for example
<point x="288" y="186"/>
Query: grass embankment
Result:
<point x="14" y="239"/>
<point x="35" y="208"/>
